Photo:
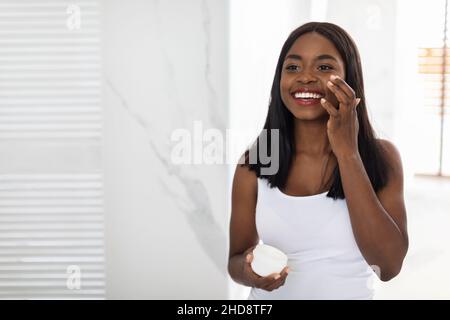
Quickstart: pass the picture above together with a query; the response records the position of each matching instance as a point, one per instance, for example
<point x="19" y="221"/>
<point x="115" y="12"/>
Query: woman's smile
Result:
<point x="307" y="97"/>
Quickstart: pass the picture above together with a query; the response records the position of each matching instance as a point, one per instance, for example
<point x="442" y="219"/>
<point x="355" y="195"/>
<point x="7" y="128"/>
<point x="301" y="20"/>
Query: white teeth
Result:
<point x="306" y="95"/>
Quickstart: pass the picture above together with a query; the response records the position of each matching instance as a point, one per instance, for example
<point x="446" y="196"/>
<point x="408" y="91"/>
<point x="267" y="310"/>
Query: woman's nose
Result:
<point x="306" y="77"/>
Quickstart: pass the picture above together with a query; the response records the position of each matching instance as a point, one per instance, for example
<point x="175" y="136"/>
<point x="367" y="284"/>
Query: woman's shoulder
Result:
<point x="392" y="154"/>
<point x="390" y="148"/>
<point x="387" y="144"/>
<point x="245" y="180"/>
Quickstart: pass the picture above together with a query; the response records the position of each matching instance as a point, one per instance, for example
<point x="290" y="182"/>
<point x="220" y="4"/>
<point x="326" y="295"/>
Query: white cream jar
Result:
<point x="268" y="260"/>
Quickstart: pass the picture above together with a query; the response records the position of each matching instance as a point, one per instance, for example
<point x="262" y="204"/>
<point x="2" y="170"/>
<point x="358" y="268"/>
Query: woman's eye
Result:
<point x="325" y="68"/>
<point x="292" y="68"/>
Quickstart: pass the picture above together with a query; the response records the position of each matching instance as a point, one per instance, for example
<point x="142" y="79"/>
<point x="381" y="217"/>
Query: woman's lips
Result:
<point x="307" y="102"/>
<point x="307" y="96"/>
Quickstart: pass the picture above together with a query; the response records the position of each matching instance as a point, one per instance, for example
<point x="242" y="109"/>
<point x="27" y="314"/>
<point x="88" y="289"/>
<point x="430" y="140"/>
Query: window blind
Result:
<point x="51" y="212"/>
<point x="434" y="69"/>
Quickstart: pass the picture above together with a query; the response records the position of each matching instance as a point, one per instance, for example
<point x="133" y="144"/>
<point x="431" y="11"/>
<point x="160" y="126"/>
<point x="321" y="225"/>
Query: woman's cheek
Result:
<point x="284" y="96"/>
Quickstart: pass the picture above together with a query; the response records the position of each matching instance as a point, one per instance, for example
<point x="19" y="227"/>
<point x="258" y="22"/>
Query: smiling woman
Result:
<point x="335" y="206"/>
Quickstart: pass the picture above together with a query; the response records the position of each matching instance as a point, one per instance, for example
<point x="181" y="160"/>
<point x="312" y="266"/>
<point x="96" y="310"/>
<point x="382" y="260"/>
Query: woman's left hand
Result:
<point x="343" y="126"/>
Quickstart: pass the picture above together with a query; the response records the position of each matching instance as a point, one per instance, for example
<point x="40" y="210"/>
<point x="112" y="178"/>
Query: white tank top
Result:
<point x="315" y="233"/>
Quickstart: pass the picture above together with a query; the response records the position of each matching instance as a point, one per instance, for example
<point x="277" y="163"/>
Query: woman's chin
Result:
<point x="309" y="115"/>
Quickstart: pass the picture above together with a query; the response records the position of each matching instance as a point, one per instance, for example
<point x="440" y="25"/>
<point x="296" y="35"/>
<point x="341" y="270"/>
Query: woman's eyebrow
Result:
<point x="293" y="56"/>
<point x="320" y="57"/>
<point x="326" y="57"/>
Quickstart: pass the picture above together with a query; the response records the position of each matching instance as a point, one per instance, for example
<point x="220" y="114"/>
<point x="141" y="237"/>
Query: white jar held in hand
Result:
<point x="268" y="260"/>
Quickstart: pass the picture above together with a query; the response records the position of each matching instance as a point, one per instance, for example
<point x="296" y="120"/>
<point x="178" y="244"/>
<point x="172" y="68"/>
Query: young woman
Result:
<point x="335" y="205"/>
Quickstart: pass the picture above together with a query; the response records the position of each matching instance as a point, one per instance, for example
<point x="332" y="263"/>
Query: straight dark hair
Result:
<point x="279" y="117"/>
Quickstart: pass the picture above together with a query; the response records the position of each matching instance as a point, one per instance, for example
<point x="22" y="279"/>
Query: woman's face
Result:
<point x="308" y="65"/>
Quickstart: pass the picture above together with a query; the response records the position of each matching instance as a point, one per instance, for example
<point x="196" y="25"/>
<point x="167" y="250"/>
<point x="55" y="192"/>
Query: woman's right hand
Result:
<point x="268" y="283"/>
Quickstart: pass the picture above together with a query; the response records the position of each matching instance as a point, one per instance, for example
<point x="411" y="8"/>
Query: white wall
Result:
<point x="165" y="66"/>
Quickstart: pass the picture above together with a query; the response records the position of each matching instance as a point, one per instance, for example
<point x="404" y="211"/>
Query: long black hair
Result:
<point x="279" y="117"/>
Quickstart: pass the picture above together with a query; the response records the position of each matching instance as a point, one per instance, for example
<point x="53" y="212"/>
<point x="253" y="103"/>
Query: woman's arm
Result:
<point x="243" y="234"/>
<point x="378" y="220"/>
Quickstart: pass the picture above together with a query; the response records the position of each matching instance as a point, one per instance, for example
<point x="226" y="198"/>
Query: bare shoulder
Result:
<point x="245" y="180"/>
<point x="393" y="156"/>
<point x="395" y="178"/>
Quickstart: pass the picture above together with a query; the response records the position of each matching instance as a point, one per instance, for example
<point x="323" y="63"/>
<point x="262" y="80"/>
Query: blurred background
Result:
<point x="96" y="96"/>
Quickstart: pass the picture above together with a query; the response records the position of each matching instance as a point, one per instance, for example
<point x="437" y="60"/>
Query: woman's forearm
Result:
<point x="378" y="237"/>
<point x="235" y="269"/>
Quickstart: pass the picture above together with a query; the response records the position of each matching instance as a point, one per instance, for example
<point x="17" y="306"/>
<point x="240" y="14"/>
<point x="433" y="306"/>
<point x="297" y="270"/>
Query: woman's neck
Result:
<point x="311" y="138"/>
